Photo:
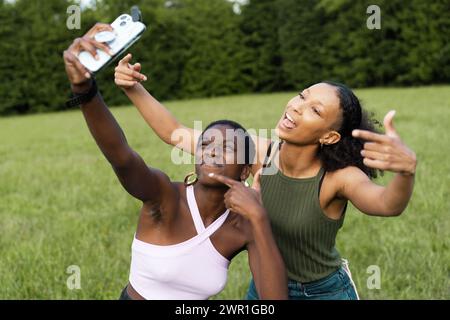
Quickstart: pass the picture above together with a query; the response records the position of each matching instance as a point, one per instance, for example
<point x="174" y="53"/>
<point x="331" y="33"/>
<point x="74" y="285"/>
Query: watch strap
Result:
<point x="82" y="98"/>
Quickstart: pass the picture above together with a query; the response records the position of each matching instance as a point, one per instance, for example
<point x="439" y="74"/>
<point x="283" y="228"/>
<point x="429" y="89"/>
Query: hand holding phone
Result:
<point x="125" y="32"/>
<point x="76" y="72"/>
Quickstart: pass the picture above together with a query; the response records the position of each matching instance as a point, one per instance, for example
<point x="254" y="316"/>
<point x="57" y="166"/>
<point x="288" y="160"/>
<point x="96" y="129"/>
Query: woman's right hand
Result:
<point x="127" y="75"/>
<point x="243" y="200"/>
<point x="76" y="72"/>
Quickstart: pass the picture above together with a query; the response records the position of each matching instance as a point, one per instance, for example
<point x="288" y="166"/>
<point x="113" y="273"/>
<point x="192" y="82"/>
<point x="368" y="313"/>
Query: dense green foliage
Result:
<point x="196" y="48"/>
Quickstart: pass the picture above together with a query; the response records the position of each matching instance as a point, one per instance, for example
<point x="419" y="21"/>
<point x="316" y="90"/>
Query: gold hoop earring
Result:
<point x="189" y="181"/>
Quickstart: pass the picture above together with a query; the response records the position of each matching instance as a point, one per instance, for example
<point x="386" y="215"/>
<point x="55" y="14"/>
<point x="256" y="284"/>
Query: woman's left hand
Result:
<point x="387" y="151"/>
<point x="241" y="199"/>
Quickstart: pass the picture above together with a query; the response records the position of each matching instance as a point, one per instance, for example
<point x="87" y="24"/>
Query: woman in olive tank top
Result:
<point x="328" y="154"/>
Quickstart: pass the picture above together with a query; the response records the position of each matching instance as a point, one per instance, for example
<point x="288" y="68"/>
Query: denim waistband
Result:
<point x="293" y="284"/>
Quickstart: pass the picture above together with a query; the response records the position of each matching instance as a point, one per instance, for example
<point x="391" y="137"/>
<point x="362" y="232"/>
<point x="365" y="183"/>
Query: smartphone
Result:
<point x="126" y="31"/>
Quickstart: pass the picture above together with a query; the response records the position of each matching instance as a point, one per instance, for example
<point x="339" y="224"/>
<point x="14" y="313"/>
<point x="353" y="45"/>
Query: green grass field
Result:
<point x="61" y="204"/>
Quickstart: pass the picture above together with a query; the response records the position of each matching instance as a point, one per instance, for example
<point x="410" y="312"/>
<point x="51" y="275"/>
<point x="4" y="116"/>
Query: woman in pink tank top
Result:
<point x="187" y="231"/>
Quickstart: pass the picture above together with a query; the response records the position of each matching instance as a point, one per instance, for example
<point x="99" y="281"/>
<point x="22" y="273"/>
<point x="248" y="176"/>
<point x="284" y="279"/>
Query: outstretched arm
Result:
<point x="140" y="181"/>
<point x="166" y="126"/>
<point x="385" y="152"/>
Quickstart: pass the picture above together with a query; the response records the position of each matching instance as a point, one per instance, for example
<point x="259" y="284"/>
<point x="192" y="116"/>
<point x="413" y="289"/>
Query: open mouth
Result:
<point x="288" y="121"/>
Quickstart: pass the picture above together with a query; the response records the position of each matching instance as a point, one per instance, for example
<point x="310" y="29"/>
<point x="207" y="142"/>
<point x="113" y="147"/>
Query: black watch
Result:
<point x="82" y="98"/>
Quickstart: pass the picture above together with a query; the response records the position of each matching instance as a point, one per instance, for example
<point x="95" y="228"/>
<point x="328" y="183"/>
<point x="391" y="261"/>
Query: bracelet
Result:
<point x="82" y="98"/>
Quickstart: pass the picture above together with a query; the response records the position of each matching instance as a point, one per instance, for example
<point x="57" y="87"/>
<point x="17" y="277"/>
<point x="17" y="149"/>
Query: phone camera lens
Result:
<point x="123" y="23"/>
<point x="123" y="17"/>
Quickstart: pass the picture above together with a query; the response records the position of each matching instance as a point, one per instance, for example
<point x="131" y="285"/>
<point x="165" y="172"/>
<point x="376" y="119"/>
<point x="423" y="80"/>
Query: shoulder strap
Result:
<point x="269" y="150"/>
<point x="321" y="176"/>
<point x="195" y="213"/>
<point x="214" y="226"/>
<point x="193" y="209"/>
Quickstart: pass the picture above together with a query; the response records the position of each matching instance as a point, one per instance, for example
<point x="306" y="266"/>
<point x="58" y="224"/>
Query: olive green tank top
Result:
<point x="304" y="234"/>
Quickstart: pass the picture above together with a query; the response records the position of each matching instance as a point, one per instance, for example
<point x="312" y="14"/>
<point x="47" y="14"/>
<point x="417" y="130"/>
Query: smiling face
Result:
<point x="312" y="117"/>
<point x="219" y="151"/>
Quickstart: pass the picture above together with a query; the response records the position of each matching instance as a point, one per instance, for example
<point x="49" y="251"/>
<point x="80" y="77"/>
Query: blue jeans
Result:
<point x="336" y="286"/>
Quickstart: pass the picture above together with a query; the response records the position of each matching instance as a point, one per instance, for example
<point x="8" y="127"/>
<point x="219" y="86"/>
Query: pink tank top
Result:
<point x="190" y="270"/>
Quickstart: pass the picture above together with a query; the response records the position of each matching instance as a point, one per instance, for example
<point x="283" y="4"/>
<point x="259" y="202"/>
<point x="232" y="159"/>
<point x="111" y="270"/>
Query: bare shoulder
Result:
<point x="346" y="178"/>
<point x="171" y="193"/>
<point x="349" y="172"/>
<point x="161" y="175"/>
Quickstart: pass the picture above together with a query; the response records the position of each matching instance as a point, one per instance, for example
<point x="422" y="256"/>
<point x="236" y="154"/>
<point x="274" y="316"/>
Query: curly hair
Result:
<point x="347" y="152"/>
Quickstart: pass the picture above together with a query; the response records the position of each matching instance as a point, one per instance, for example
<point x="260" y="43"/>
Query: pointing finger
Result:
<point x="225" y="180"/>
<point x="131" y="73"/>
<point x="370" y="136"/>
<point x="125" y="60"/>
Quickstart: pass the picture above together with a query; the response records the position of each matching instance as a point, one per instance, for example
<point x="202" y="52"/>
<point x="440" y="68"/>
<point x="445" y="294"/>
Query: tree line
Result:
<point x="200" y="48"/>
